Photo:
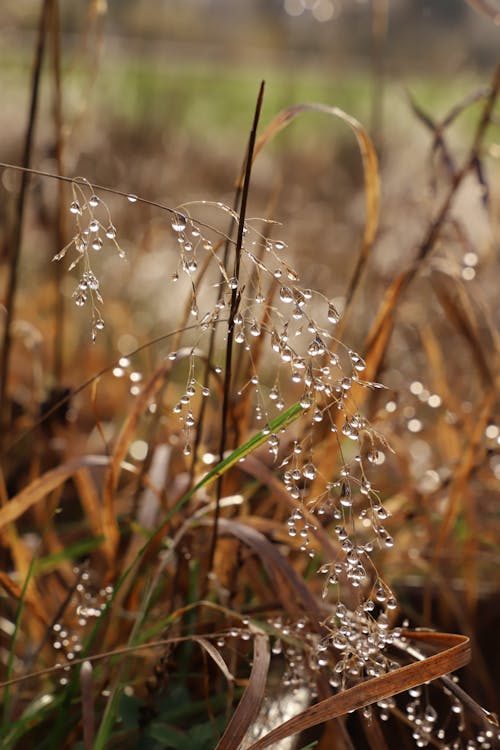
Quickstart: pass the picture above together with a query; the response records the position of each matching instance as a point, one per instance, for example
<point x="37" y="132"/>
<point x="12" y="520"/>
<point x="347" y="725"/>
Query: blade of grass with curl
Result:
<point x="370" y="168"/>
<point x="289" y="586"/>
<point x="456" y="654"/>
<point x="248" y="707"/>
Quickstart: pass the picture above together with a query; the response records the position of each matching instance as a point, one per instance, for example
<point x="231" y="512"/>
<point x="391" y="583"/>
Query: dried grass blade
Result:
<point x="465" y="466"/>
<point x="40" y="487"/>
<point x="215" y="655"/>
<point x="380" y="332"/>
<point x="461" y="314"/>
<point x="251" y="700"/>
<point x="456" y="654"/>
<point x="370" y="168"/>
<point x="15" y="592"/>
<point x="109" y="520"/>
<point x="291" y="589"/>
<point x="89" y="500"/>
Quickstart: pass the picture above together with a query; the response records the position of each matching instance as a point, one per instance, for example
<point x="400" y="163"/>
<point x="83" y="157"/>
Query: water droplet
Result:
<point x="111" y="232"/>
<point x="75" y="208"/>
<point x="277" y="647"/>
<point x="80" y="298"/>
<point x="286" y="294"/>
<point x="94" y="200"/>
<point x="376" y="457"/>
<point x="132" y="198"/>
<point x="97" y="244"/>
<point x="339" y="642"/>
<point x="358" y="363"/>
<point x="306" y="401"/>
<point x="345" y="495"/>
<point x="333" y="314"/>
<point x="255" y="329"/>
<point x="309" y="471"/>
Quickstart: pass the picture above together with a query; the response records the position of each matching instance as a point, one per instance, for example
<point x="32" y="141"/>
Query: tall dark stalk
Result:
<point x="57" y="362"/>
<point x="17" y="230"/>
<point x="235" y="301"/>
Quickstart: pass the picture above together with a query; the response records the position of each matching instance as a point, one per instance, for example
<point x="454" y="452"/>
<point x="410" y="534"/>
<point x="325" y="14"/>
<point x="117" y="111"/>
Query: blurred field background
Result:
<point x="156" y="100"/>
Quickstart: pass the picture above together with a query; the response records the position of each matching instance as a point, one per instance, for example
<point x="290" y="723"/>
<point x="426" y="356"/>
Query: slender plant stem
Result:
<point x="211" y="345"/>
<point x="57" y="363"/>
<point x="235" y="300"/>
<point x="17" y="231"/>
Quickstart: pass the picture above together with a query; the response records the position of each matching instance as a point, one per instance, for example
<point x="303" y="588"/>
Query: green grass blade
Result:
<point x="10" y="662"/>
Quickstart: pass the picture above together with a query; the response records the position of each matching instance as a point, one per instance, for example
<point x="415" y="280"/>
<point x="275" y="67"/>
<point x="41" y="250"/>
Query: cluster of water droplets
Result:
<point x="310" y="364"/>
<point x="441" y="722"/>
<point x="94" y="228"/>
<point x="184" y="407"/>
<point x="85" y="606"/>
<point x="296" y="326"/>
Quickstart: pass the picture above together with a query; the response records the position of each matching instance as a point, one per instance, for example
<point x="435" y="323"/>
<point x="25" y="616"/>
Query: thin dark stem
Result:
<point x="57" y="364"/>
<point x="106" y="189"/>
<point x="211" y="346"/>
<point x="235" y="300"/>
<point x="16" y="237"/>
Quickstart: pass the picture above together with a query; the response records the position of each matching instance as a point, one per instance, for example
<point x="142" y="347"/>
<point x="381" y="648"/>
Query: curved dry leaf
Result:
<point x="370" y="168"/>
<point x="248" y="708"/>
<point x="42" y="486"/>
<point x="291" y="589"/>
<point x="456" y="654"/>
<point x="215" y="655"/>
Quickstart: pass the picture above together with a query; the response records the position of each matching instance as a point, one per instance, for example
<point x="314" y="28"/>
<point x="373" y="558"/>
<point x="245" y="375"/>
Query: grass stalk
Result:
<point x="17" y="230"/>
<point x="235" y="299"/>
